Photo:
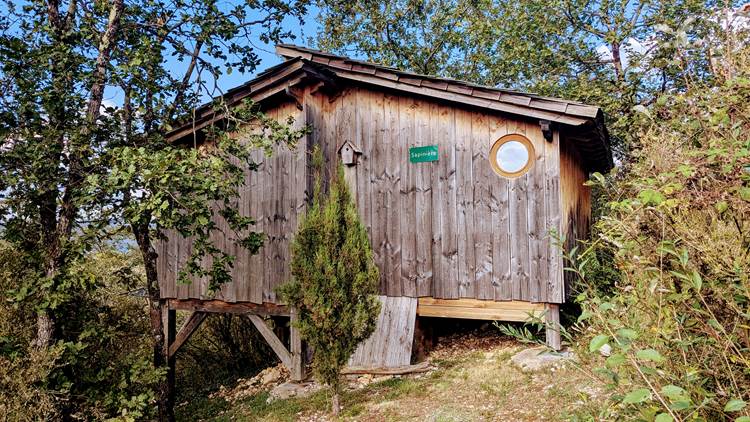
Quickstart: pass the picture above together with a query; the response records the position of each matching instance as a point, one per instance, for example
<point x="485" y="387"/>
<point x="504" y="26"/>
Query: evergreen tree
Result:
<point x="334" y="281"/>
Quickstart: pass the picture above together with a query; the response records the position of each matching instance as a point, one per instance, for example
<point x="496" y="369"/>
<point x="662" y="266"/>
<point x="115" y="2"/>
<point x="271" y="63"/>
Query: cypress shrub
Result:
<point x="334" y="280"/>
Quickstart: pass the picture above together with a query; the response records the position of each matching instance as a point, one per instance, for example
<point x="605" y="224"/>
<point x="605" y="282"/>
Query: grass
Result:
<point x="474" y="385"/>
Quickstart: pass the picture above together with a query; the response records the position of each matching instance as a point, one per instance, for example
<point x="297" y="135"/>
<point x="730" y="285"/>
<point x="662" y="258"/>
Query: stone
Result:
<point x="538" y="358"/>
<point x="270" y="375"/>
<point x="293" y="389"/>
<point x="605" y="350"/>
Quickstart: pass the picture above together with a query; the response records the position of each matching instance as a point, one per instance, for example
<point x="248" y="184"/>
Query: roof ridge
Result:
<point x="307" y="50"/>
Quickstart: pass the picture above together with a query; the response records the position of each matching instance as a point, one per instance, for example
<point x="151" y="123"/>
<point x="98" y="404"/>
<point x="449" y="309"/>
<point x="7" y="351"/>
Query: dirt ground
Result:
<point x="473" y="380"/>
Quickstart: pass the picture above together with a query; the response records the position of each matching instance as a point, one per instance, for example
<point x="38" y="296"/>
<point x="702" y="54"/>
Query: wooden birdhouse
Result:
<point x="349" y="154"/>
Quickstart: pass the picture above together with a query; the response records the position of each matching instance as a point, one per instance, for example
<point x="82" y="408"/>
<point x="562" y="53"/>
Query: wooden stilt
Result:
<point x="168" y="325"/>
<point x="295" y="346"/>
<point x="552" y="321"/>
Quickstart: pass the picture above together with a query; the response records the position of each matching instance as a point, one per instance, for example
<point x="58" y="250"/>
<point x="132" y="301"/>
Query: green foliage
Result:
<point x="77" y="171"/>
<point x="103" y="367"/>
<point x="678" y="229"/>
<point x="335" y="280"/>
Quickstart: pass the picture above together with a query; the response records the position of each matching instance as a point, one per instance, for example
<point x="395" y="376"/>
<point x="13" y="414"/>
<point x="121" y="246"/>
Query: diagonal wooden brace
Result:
<point x="292" y="360"/>
<point x="188" y="328"/>
<point x="273" y="341"/>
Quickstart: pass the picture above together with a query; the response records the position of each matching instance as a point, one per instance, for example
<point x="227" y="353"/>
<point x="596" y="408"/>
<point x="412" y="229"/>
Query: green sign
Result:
<point x="423" y="154"/>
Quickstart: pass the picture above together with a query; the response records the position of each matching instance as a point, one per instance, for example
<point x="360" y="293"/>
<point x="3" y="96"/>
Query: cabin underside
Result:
<point x="391" y="346"/>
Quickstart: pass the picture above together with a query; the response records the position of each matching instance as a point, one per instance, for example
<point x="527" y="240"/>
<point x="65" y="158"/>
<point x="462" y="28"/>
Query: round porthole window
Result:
<point x="512" y="155"/>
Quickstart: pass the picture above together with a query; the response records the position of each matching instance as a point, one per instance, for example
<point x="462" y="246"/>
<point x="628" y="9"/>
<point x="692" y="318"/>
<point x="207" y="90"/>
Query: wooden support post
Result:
<point x="295" y="346"/>
<point x="423" y="341"/>
<point x="168" y="325"/>
<point x="272" y="340"/>
<point x="189" y="327"/>
<point x="552" y="321"/>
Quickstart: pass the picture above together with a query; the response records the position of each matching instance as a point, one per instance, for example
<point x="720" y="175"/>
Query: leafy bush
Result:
<point x="101" y="366"/>
<point x="675" y="324"/>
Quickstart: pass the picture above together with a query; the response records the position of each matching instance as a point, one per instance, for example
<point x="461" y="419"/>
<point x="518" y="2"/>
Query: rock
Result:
<point x="537" y="358"/>
<point x="264" y="380"/>
<point x="293" y="389"/>
<point x="270" y="375"/>
<point x="605" y="350"/>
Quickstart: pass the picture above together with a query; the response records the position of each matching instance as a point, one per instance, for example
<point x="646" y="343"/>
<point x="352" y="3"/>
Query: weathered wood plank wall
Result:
<point x="390" y="345"/>
<point x="447" y="229"/>
<point x="451" y="228"/>
<point x="275" y="196"/>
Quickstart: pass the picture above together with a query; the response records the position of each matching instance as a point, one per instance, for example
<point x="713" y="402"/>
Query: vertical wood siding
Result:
<point x="275" y="196"/>
<point x="576" y="203"/>
<point x="448" y="229"/>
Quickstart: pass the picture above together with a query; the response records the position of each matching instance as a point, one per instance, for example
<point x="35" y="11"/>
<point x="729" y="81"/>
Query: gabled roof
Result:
<point x="585" y="123"/>
<point x="548" y="108"/>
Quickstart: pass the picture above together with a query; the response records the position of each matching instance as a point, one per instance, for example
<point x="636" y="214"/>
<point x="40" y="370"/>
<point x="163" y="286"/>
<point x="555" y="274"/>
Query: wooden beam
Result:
<point x="193" y="321"/>
<point x="396" y="370"/>
<point x="552" y="322"/>
<point x="219" y="306"/>
<point x="479" y="309"/>
<point x="273" y="341"/>
<point x="295" y="344"/>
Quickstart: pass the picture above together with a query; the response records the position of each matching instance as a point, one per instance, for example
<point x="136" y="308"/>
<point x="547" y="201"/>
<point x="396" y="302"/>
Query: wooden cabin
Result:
<point x="462" y="188"/>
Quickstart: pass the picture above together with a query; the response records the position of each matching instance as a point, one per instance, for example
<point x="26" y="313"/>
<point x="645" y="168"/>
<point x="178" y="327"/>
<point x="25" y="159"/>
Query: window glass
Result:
<point x="512" y="155"/>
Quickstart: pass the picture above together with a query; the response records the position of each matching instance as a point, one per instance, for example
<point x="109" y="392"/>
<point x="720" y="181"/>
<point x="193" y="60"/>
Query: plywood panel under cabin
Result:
<point x="391" y="343"/>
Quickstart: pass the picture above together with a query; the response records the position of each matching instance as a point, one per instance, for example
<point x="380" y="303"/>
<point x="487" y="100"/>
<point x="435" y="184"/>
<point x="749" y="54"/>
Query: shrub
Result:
<point x="677" y="319"/>
<point x="334" y="283"/>
<point x="101" y="366"/>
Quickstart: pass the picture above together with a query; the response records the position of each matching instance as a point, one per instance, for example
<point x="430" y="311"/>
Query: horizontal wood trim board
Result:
<point x="479" y="309"/>
<point x="220" y="306"/>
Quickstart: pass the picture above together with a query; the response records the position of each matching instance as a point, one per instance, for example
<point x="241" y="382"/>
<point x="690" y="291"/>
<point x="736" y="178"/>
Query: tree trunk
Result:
<point x="617" y="61"/>
<point x="335" y="406"/>
<point x="45" y="329"/>
<point x="45" y="322"/>
<point x="165" y="391"/>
